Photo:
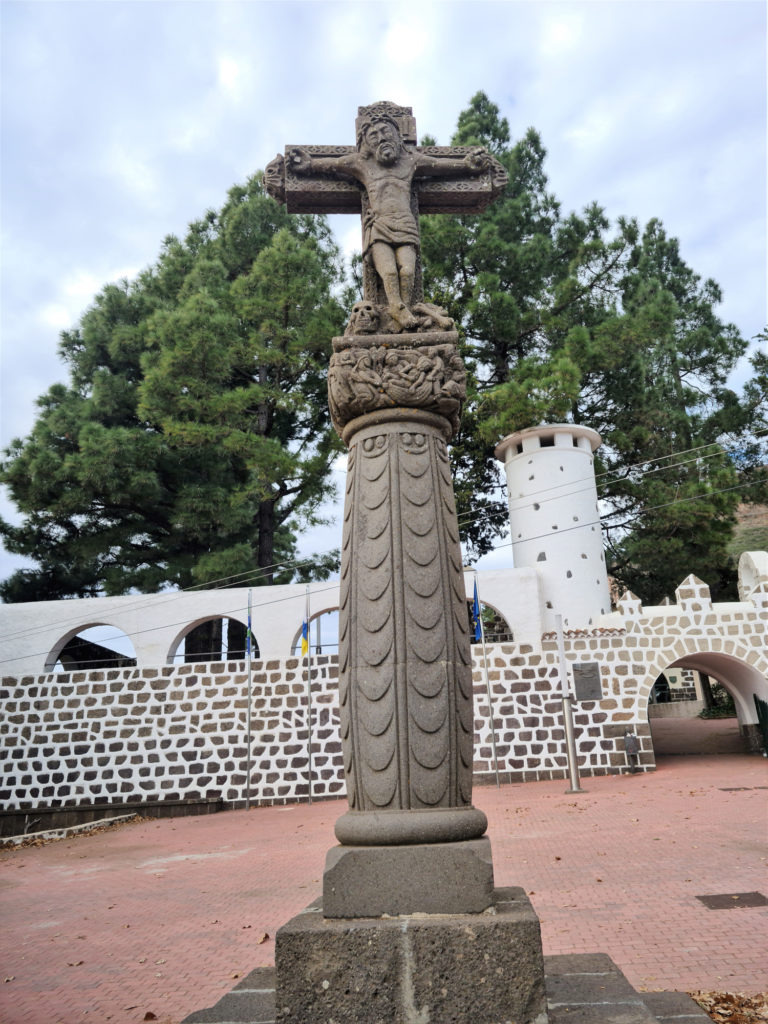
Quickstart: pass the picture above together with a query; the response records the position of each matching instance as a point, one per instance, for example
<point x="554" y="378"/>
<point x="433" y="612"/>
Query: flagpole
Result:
<point x="309" y="693"/>
<point x="570" y="738"/>
<point x="248" y="729"/>
<point x="487" y="685"/>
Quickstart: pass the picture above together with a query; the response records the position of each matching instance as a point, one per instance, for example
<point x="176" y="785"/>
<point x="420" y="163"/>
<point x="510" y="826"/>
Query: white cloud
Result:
<point x="57" y="317"/>
<point x="75" y="293"/>
<point x="594" y="129"/>
<point x="132" y="170"/>
<point x="232" y="77"/>
<point x="129" y="120"/>
<point x="561" y="32"/>
<point x="409" y="36"/>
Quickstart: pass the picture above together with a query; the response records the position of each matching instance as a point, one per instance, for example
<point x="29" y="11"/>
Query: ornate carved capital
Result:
<point x="373" y="372"/>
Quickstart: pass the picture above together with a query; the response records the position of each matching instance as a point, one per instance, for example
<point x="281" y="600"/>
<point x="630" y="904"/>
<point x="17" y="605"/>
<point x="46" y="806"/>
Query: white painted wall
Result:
<point x="32" y="634"/>
<point x="555" y="521"/>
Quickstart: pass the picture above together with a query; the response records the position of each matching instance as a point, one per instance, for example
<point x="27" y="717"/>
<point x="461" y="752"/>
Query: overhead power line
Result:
<point x="255" y="575"/>
<point x="169" y="625"/>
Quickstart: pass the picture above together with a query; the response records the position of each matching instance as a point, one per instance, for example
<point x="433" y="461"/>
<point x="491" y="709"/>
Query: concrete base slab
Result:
<point x="586" y="987"/>
<point x="591" y="990"/>
<point x="435" y="878"/>
<point x="252" y="1001"/>
<point x="454" y="968"/>
<point x="675" y="1008"/>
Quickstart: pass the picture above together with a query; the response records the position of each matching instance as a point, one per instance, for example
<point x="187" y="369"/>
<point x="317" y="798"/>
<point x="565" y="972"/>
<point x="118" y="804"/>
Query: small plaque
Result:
<point x="586" y="681"/>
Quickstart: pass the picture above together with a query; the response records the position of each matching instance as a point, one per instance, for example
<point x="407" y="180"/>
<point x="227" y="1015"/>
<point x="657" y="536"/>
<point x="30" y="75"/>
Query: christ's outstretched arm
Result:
<point x="476" y="161"/>
<point x="300" y="161"/>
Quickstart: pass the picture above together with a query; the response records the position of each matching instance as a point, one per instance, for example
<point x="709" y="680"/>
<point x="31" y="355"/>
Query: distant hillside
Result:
<point x="751" y="532"/>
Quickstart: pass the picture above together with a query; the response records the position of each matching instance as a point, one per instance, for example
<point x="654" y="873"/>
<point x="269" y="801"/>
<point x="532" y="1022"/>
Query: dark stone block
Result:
<point x="434" y="878"/>
<point x="674" y="1006"/>
<point x="254" y="1006"/>
<point x="260" y="979"/>
<point x="606" y="1013"/>
<point x="590" y="989"/>
<point x="455" y="969"/>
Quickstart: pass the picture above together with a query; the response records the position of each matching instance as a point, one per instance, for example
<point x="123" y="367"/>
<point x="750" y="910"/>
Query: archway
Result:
<point x="685" y="727"/>
<point x="216" y="638"/>
<point x="97" y="645"/>
<point x="496" y="628"/>
<point x="323" y="634"/>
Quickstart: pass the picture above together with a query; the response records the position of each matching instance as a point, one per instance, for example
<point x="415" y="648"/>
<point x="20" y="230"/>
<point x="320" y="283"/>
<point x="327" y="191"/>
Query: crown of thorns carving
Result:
<point x="377" y="117"/>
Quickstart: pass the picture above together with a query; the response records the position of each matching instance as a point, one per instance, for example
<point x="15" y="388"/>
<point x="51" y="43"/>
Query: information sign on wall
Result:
<point x="586" y="680"/>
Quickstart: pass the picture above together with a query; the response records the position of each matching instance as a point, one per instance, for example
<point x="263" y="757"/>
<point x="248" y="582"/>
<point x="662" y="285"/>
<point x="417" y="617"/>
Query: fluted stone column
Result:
<point x="405" y="680"/>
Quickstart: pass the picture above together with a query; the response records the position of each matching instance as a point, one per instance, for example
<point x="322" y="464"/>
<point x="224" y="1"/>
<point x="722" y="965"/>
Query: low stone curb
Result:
<point x="63" y="833"/>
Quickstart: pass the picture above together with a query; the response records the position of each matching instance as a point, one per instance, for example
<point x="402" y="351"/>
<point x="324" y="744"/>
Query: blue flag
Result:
<point x="304" y="637"/>
<point x="476" y="617"/>
<point x="250" y="638"/>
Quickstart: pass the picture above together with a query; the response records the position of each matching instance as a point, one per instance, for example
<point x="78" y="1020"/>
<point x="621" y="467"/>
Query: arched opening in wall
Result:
<point x="323" y="634"/>
<point x="215" y="639"/>
<point x="94" y="646"/>
<point x="704" y="704"/>
<point x="496" y="628"/>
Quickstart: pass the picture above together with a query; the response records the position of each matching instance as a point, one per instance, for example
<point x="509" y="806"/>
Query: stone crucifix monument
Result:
<point x="410" y="927"/>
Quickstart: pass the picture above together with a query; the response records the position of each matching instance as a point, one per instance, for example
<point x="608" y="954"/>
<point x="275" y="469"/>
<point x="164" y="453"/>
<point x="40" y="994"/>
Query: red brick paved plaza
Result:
<point x="161" y="917"/>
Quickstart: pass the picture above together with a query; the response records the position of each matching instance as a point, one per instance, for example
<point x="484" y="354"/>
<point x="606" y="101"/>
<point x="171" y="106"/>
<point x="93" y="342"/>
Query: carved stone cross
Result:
<point x="414" y="868"/>
<point x="389" y="181"/>
<point x="396" y="385"/>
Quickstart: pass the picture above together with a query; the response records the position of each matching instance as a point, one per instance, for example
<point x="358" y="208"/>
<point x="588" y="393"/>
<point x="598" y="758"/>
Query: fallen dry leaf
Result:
<point x="10" y="978"/>
<point x="733" y="1007"/>
<point x="149" y="1015"/>
<point x="75" y="963"/>
<point x="262" y="938"/>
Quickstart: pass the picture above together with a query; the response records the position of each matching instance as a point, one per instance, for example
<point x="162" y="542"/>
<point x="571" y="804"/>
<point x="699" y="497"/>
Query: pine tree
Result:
<point x="191" y="441"/>
<point x="565" y="318"/>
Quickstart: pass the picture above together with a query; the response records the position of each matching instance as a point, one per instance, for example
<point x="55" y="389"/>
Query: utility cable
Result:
<point x="250" y="576"/>
<point x="510" y="543"/>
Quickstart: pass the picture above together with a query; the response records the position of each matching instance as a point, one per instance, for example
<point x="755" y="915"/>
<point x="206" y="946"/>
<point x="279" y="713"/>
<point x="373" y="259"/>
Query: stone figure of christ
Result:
<point x="386" y="170"/>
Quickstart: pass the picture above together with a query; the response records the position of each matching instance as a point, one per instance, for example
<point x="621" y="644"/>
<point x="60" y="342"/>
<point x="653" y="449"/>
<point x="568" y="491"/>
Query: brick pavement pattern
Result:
<point x="162" y="917"/>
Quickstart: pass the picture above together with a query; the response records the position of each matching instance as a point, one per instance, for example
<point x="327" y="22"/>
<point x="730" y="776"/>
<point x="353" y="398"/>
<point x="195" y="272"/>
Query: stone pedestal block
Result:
<point x="434" y="878"/>
<point x="444" y="969"/>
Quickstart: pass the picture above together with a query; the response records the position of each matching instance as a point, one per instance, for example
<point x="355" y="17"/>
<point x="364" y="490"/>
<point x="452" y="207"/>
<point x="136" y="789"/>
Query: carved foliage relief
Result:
<point x="363" y="378"/>
<point x="405" y="679"/>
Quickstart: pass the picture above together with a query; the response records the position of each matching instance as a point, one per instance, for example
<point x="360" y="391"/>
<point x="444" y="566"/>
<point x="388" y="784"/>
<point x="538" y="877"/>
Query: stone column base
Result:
<point x="430" y="878"/>
<point x="460" y="968"/>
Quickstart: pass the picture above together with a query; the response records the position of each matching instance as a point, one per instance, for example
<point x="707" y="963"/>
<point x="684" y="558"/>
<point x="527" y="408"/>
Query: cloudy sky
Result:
<point x="123" y="121"/>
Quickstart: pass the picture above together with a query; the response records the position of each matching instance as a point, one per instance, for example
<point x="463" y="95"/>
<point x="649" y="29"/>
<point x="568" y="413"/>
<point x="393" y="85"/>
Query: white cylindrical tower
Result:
<point x="555" y="520"/>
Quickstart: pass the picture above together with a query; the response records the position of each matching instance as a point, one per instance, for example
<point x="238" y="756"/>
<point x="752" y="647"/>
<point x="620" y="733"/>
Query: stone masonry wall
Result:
<point x="528" y="710"/>
<point x="179" y="733"/>
<point x="175" y="733"/>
